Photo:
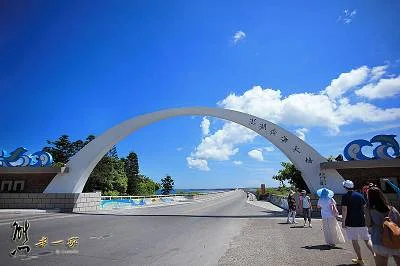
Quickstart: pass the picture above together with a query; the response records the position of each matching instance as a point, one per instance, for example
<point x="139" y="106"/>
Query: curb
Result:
<point x="18" y="211"/>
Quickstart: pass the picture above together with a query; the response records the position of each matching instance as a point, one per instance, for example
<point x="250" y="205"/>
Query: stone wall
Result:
<point x="65" y="202"/>
<point x="281" y="201"/>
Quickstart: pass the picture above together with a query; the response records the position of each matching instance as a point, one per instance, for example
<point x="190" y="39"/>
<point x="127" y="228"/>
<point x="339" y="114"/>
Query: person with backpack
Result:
<point x="384" y="221"/>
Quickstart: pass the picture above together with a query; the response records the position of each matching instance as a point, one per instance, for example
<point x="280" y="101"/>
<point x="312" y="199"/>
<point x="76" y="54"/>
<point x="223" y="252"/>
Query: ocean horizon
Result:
<point x="200" y="190"/>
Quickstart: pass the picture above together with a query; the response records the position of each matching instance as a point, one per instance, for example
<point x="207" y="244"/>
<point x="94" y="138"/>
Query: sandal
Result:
<point x="357" y="261"/>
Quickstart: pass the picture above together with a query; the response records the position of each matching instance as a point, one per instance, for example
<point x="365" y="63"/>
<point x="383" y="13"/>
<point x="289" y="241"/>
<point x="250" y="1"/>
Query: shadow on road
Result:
<point x="277" y="213"/>
<point x="321" y="247"/>
<point x="298" y="226"/>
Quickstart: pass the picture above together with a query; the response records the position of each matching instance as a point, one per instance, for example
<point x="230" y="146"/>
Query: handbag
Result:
<point x="334" y="210"/>
<point x="390" y="233"/>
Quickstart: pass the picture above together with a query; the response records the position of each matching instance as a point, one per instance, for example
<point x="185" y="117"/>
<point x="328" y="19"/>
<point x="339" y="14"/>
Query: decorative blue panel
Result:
<point x="353" y="150"/>
<point x="19" y="158"/>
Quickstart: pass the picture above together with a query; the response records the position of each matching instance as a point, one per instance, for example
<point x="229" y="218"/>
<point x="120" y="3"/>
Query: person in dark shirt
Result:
<point x="291" y="219"/>
<point x="353" y="204"/>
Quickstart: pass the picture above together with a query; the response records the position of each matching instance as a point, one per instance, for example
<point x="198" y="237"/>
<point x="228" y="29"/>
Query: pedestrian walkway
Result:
<point x="266" y="205"/>
<point x="271" y="241"/>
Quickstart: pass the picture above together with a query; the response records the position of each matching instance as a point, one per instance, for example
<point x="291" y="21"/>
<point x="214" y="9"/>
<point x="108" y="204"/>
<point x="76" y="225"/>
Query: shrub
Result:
<point x="111" y="193"/>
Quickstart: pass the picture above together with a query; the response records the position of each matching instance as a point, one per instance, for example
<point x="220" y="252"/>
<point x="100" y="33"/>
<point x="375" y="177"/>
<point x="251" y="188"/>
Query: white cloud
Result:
<point x="179" y="149"/>
<point x="237" y="162"/>
<point x="378" y="71"/>
<point x="347" y="17"/>
<point x="347" y="81"/>
<point x="364" y="131"/>
<point x="205" y="126"/>
<point x="197" y="163"/>
<point x="221" y="145"/>
<point x="329" y="109"/>
<point x="365" y="112"/>
<point x="269" y="149"/>
<point x="307" y="109"/>
<point x="301" y="133"/>
<point x="238" y="36"/>
<point x="383" y="89"/>
<point x="256" y="154"/>
<point x="301" y="109"/>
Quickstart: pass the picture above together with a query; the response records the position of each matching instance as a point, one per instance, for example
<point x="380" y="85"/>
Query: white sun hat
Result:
<point x="348" y="184"/>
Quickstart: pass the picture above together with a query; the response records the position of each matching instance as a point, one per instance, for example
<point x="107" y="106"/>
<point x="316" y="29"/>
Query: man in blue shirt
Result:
<point x="353" y="204"/>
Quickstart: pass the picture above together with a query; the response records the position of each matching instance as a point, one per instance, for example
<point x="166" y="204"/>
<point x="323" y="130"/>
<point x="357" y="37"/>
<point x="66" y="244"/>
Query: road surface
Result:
<point x="224" y="231"/>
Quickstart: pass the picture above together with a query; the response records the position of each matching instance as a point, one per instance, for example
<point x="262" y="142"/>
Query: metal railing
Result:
<point x="157" y="196"/>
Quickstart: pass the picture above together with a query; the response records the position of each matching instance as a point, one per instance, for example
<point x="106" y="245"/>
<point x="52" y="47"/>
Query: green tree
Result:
<point x="111" y="193"/>
<point x="108" y="176"/>
<point x="131" y="164"/>
<point x="113" y="176"/>
<point x="281" y="179"/>
<point x="113" y="152"/>
<point x="157" y="186"/>
<point x="89" y="139"/>
<point x="100" y="179"/>
<point x="146" y="186"/>
<point x="167" y="184"/>
<point x="63" y="148"/>
<point x="292" y="175"/>
<point x="119" y="178"/>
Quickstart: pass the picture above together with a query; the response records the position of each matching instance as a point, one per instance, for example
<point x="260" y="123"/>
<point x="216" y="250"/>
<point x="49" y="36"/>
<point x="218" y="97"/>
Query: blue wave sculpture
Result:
<point x="387" y="141"/>
<point x="353" y="150"/>
<point x="18" y="158"/>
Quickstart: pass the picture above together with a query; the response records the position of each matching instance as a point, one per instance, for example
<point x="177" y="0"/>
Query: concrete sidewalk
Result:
<point x="271" y="241"/>
<point x="266" y="205"/>
<point x="270" y="206"/>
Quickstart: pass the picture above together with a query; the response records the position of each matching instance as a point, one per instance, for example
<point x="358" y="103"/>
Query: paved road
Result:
<point x="225" y="231"/>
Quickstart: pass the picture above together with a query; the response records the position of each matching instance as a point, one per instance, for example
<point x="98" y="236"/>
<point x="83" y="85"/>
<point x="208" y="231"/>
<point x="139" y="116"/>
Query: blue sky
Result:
<point x="328" y="70"/>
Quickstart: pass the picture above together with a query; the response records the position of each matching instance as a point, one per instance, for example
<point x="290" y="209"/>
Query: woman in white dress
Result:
<point x="332" y="231"/>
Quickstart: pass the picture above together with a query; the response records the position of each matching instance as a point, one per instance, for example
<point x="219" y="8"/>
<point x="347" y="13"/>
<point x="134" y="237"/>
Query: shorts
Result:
<point x="357" y="233"/>
<point x="307" y="214"/>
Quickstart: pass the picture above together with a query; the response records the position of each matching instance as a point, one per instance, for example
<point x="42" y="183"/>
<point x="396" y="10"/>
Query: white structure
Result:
<point x="302" y="155"/>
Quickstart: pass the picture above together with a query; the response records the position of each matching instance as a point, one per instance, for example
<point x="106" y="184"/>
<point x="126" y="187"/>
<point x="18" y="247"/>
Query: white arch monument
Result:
<point x="302" y="155"/>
